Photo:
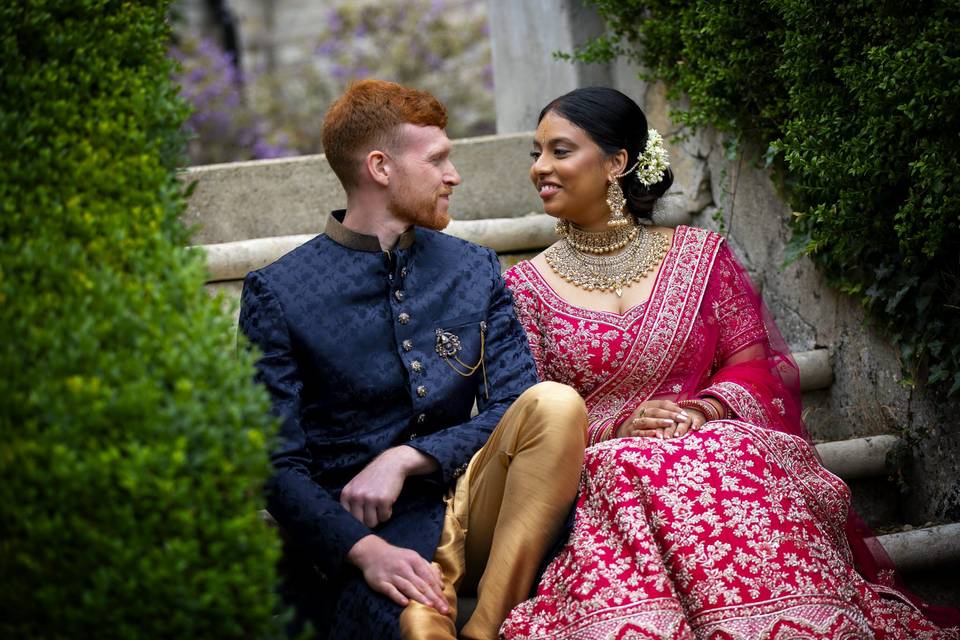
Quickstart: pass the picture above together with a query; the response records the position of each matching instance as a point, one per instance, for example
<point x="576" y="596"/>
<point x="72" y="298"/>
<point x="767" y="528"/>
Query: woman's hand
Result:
<point x="660" y="419"/>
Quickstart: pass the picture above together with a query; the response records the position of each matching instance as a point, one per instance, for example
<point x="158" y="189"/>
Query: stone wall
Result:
<point x="524" y="36"/>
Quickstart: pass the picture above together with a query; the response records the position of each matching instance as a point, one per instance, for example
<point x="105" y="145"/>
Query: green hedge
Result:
<point x="858" y="106"/>
<point x="134" y="442"/>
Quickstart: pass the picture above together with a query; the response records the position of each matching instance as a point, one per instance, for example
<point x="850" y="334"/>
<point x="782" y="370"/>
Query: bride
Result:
<point x="703" y="510"/>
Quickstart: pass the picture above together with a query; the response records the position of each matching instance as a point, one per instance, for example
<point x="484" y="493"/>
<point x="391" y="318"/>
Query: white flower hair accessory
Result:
<point x="653" y="162"/>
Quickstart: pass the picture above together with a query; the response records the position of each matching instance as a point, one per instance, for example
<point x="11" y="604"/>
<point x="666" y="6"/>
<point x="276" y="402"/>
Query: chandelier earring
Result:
<point x="617" y="203"/>
<point x="650" y="167"/>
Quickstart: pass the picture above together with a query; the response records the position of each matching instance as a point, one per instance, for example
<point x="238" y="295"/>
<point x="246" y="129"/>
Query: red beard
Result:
<point x="419" y="211"/>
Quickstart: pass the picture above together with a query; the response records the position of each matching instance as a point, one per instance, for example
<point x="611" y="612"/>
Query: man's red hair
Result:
<point x="367" y="117"/>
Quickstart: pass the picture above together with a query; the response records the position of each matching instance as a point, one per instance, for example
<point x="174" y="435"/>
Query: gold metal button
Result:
<point x="403" y="318"/>
<point x="399" y="295"/>
<point x="421" y="418"/>
<point x="422" y="391"/>
<point x="407" y="345"/>
<point x="416" y="366"/>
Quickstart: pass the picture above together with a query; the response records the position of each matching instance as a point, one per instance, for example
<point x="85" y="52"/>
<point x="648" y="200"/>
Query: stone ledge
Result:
<point x="859" y="457"/>
<point x="919" y="549"/>
<point x="234" y="260"/>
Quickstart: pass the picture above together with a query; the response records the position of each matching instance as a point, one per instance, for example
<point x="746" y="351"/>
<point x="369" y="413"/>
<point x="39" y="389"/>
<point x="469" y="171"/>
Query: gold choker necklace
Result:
<point x="606" y="241"/>
<point x="591" y="270"/>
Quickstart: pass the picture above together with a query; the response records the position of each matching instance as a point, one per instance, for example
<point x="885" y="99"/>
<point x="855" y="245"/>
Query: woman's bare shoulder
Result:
<point x="540" y="260"/>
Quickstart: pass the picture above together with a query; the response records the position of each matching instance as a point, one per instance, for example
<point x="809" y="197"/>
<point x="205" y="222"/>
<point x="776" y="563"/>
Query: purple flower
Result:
<point x="196" y="75"/>
<point x="339" y="72"/>
<point x="263" y="150"/>
<point x="227" y="127"/>
<point x="487" y="75"/>
<point x="437" y="8"/>
<point x="326" y="49"/>
<point x="334" y="21"/>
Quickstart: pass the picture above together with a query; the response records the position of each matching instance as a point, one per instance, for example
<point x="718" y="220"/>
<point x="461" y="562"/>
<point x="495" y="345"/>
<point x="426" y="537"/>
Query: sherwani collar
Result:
<point x="361" y="241"/>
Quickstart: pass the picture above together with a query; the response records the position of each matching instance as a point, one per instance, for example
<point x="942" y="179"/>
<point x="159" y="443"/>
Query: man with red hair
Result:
<point x="377" y="337"/>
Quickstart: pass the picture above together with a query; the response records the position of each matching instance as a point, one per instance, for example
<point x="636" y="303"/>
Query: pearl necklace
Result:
<point x="605" y="241"/>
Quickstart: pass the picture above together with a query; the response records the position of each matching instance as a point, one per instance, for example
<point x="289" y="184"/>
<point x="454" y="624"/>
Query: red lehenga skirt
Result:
<point x="732" y="532"/>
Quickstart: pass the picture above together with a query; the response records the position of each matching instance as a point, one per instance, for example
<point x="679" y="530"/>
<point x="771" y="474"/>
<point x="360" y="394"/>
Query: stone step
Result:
<point x="857" y="458"/>
<point x="862" y="464"/>
<point x="923" y="549"/>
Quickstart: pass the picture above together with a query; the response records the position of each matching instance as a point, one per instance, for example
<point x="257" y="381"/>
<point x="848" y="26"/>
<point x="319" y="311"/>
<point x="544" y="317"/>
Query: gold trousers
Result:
<point x="505" y="512"/>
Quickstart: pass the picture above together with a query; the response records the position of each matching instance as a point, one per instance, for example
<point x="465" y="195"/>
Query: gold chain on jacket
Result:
<point x="448" y="345"/>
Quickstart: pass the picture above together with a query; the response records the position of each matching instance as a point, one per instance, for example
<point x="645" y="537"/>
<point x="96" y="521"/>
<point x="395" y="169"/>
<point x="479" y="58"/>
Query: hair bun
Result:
<point x="641" y="198"/>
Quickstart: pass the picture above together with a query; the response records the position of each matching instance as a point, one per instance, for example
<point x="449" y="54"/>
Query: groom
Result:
<point x="377" y="336"/>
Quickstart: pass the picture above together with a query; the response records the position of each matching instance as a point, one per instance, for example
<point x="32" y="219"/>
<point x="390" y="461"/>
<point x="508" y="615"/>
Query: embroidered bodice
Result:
<point x="701" y="322"/>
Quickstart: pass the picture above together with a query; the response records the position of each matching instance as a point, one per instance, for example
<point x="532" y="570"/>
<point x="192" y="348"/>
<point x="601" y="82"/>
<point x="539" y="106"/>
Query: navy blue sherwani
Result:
<point x="359" y="355"/>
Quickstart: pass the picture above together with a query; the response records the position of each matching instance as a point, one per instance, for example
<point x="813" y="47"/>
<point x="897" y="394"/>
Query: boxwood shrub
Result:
<point x="857" y="106"/>
<point x="134" y="442"/>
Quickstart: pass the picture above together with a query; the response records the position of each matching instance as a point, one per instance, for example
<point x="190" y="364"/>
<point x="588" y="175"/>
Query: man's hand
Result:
<point x="370" y="495"/>
<point x="398" y="573"/>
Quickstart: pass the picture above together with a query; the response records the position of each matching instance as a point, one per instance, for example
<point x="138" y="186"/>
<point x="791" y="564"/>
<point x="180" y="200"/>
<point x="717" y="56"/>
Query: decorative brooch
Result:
<point x="449" y="345"/>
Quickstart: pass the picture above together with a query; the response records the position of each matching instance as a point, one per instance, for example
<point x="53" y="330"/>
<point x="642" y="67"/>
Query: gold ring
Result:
<point x="643" y="410"/>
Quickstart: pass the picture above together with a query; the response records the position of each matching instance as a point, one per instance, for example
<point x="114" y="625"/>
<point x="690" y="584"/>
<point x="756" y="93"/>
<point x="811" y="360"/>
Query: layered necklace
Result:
<point x="586" y="259"/>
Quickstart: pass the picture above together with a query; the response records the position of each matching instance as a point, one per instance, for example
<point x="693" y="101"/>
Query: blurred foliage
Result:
<point x="134" y="441"/>
<point x="440" y="46"/>
<point x="858" y="106"/>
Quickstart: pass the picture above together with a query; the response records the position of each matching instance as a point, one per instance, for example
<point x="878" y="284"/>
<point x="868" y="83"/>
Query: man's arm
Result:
<point x="305" y="510"/>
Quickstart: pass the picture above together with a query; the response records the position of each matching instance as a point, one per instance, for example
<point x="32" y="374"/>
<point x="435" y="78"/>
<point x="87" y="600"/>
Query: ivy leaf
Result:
<point x="899" y="295"/>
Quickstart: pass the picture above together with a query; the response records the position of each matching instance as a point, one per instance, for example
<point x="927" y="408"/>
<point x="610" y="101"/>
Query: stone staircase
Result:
<point x="249" y="214"/>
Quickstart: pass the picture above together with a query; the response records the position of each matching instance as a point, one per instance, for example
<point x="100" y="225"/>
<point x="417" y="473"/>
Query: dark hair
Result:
<point x="614" y="122"/>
